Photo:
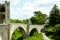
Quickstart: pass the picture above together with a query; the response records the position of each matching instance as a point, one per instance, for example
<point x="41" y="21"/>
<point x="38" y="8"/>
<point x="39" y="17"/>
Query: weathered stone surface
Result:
<point x="4" y="20"/>
<point x="13" y="27"/>
<point x="4" y="32"/>
<point x="7" y="29"/>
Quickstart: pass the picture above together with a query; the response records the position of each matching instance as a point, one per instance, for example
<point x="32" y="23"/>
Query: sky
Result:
<point x="23" y="9"/>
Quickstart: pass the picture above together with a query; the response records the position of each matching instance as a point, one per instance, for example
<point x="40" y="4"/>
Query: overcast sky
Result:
<point x="23" y="9"/>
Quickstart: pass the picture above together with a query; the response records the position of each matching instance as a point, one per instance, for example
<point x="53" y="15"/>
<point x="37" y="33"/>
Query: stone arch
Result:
<point x="22" y="30"/>
<point x="34" y="29"/>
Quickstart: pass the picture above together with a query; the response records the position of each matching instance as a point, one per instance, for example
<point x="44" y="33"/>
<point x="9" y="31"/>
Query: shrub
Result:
<point x="36" y="37"/>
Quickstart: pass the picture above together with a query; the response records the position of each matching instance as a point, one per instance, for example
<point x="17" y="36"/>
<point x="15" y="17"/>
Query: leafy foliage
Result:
<point x="53" y="30"/>
<point x="57" y="28"/>
<point x="38" y="18"/>
<point x="36" y="37"/>
<point x="54" y="16"/>
<point x="15" y="21"/>
<point x="26" y="21"/>
<point x="17" y="34"/>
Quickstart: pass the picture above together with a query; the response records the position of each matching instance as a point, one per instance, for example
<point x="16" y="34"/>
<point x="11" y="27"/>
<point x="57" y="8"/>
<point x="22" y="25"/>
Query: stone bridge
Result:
<point x="26" y="29"/>
<point x="7" y="28"/>
<point x="6" y="31"/>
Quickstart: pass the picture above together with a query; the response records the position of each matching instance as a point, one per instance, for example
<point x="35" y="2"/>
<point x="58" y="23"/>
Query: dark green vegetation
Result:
<point x="53" y="29"/>
<point x="15" y="21"/>
<point x="33" y="32"/>
<point x="35" y="37"/>
<point x="54" y="17"/>
<point x="19" y="21"/>
<point x="38" y="18"/>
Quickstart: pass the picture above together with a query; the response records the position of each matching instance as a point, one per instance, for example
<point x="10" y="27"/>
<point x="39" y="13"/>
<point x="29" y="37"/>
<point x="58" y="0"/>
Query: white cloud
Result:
<point x="20" y="13"/>
<point x="13" y="13"/>
<point x="28" y="8"/>
<point x="48" y="1"/>
<point x="14" y="2"/>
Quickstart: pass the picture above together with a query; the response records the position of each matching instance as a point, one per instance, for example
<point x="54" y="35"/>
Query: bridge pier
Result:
<point x="27" y="29"/>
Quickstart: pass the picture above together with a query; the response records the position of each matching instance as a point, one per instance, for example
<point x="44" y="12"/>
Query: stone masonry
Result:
<point x="7" y="28"/>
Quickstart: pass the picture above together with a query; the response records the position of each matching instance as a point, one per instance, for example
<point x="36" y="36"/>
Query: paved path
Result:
<point x="45" y="37"/>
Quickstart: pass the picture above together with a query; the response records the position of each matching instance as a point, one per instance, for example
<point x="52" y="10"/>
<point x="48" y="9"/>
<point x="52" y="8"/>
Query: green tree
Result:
<point x="53" y="30"/>
<point x="54" y="17"/>
<point x="37" y="13"/>
<point x="15" y="21"/>
<point x="38" y="18"/>
<point x="26" y="21"/>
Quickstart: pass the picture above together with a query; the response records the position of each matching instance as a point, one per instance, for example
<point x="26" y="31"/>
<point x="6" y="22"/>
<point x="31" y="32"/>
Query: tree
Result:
<point x="38" y="18"/>
<point x="54" y="17"/>
<point x="26" y="21"/>
<point x="15" y="21"/>
<point x="37" y="13"/>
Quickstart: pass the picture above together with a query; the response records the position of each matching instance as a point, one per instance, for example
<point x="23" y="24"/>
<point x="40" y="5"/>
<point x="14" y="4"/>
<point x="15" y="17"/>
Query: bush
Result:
<point x="50" y="28"/>
<point x="57" y="27"/>
<point x="53" y="37"/>
<point x="53" y="32"/>
<point x="36" y="37"/>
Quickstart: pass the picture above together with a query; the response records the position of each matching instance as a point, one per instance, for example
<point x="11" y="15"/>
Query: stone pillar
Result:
<point x="27" y="29"/>
<point x="7" y="12"/>
<point x="7" y="17"/>
<point x="5" y="28"/>
<point x="27" y="34"/>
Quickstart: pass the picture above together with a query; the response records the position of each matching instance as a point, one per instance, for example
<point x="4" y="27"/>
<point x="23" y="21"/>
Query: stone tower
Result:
<point x="4" y="20"/>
